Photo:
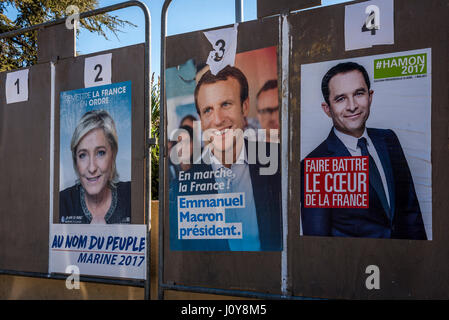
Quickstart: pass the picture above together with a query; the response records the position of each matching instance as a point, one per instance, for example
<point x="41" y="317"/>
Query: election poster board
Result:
<point x="219" y="203"/>
<point x="24" y="132"/>
<point x="341" y="185"/>
<point x="94" y="232"/>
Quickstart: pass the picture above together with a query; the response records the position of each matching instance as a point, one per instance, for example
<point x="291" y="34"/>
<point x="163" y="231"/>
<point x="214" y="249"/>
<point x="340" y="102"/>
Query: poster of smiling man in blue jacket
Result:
<point x="357" y="181"/>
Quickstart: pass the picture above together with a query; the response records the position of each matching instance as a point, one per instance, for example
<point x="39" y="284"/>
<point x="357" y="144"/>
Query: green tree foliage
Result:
<point x="155" y="127"/>
<point x="21" y="51"/>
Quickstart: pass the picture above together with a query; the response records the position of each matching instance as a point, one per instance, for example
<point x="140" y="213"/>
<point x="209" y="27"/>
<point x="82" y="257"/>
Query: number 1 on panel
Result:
<point x="16" y="86"/>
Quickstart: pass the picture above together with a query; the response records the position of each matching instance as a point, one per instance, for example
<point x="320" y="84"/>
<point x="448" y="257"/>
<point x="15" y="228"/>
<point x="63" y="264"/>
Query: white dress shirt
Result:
<point x="240" y="182"/>
<point x="350" y="143"/>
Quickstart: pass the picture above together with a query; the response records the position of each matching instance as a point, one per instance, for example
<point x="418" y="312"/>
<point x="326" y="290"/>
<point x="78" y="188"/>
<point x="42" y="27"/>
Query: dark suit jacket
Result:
<point x="70" y="210"/>
<point x="406" y="221"/>
<point x="267" y="198"/>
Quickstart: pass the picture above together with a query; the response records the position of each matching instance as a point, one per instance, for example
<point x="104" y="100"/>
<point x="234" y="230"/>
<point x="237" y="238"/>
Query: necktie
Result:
<point x="374" y="176"/>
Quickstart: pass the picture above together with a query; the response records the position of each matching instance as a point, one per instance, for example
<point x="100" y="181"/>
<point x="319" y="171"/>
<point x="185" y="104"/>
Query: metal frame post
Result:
<point x="162" y="151"/>
<point x="238" y="11"/>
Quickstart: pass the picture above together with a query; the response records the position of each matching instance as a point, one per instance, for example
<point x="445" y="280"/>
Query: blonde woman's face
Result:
<point x="94" y="162"/>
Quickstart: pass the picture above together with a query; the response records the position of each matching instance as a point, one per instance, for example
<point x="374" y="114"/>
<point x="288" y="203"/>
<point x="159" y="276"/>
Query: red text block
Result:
<point x="336" y="182"/>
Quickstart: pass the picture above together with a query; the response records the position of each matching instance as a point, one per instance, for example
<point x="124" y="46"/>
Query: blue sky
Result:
<point x="183" y="16"/>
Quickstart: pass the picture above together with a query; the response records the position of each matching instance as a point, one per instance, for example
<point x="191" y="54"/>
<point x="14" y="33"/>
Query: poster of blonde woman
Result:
<point x="95" y="156"/>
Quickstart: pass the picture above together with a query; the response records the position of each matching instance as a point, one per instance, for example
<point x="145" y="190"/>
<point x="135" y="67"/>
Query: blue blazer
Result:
<point x="404" y="221"/>
<point x="267" y="198"/>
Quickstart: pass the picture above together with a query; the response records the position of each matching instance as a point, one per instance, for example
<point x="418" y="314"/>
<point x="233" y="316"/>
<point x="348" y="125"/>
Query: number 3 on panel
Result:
<point x="221" y="50"/>
<point x="17" y="86"/>
<point x="97" y="70"/>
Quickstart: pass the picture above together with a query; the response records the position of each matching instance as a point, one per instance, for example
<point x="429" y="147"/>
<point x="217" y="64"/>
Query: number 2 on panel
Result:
<point x="98" y="78"/>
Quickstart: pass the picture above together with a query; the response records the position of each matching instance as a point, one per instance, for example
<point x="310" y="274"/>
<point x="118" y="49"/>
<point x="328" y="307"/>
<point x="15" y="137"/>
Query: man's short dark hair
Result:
<point x="189" y="131"/>
<point x="341" y="68"/>
<point x="270" y="84"/>
<point x="177" y="132"/>
<point x="187" y="117"/>
<point x="223" y="75"/>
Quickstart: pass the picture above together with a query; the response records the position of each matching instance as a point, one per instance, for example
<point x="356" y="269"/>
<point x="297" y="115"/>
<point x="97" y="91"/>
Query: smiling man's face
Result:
<point x="222" y="112"/>
<point x="350" y="102"/>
